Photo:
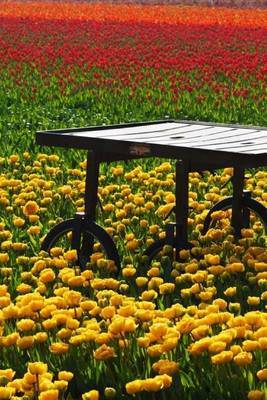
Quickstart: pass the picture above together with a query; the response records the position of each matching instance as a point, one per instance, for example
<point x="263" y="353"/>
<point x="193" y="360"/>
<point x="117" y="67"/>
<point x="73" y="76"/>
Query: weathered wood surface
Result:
<point x="207" y="142"/>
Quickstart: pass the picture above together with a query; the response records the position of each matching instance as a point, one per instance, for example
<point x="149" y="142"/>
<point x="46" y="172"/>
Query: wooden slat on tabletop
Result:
<point x="165" y="133"/>
<point x="198" y="134"/>
<point x="133" y="131"/>
<point x="142" y="135"/>
<point x="198" y="131"/>
<point x="132" y="134"/>
<point x="236" y="134"/>
<point x="205" y="131"/>
<point x="243" y="139"/>
<point x="160" y="138"/>
<point x="258" y="152"/>
<point x="253" y="149"/>
<point x="113" y="132"/>
<point x="235" y="148"/>
<point x="190" y="139"/>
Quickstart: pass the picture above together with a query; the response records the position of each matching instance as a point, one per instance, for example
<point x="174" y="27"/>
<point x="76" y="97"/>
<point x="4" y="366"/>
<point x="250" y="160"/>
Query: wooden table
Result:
<point x="197" y="146"/>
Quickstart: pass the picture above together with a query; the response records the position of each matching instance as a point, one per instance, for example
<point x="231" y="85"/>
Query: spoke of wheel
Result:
<point x="246" y="217"/>
<point x="87" y="247"/>
<point x="76" y="235"/>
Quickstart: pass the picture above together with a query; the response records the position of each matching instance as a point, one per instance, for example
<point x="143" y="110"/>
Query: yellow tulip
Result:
<point x="65" y="375"/>
<point x="134" y="386"/>
<point x="262" y="374"/>
<point x="256" y="395"/>
<point x="243" y="358"/>
<point x="51" y="394"/>
<point x="165" y="367"/>
<point x="217" y="346"/>
<point x="25" y="342"/>
<point x="152" y="385"/>
<point x="6" y="392"/>
<point x="4" y="258"/>
<point x="222" y="358"/>
<point x="7" y="373"/>
<point x="30" y="208"/>
<point x="104" y="352"/>
<point x="59" y="348"/>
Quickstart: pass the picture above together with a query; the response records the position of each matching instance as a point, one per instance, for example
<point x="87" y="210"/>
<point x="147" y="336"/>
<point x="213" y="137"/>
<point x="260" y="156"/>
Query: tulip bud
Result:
<point x="110" y="392"/>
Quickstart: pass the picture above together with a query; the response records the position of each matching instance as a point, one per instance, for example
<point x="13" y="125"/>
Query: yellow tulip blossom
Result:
<point x="134" y="387"/>
<point x="7" y="373"/>
<point x="30" y="208"/>
<point x="6" y="392"/>
<point x="104" y="352"/>
<point x="222" y="358"/>
<point x="262" y="374"/>
<point x="243" y="358"/>
<point x="256" y="395"/>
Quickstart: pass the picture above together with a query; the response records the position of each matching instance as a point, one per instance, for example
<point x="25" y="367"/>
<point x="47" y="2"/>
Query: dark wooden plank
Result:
<point x="137" y="133"/>
<point x="122" y="148"/>
<point x="102" y="133"/>
<point x="201" y="141"/>
<point x="85" y="142"/>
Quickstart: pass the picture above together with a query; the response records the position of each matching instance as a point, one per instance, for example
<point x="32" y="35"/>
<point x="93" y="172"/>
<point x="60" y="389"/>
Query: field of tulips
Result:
<point x="189" y="329"/>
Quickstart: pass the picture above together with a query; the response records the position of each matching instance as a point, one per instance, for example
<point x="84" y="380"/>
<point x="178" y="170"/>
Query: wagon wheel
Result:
<point x="92" y="238"/>
<point x="249" y="206"/>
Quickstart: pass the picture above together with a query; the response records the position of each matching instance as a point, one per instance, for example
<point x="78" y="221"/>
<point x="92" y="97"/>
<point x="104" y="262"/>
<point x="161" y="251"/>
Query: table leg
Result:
<point x="237" y="212"/>
<point x="90" y="200"/>
<point x="181" y="209"/>
<point x="91" y="185"/>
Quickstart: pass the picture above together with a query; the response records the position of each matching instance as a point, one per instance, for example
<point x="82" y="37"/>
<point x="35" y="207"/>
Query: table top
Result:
<point x="197" y="142"/>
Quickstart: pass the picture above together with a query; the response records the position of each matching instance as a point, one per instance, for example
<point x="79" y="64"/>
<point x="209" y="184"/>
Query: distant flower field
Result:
<point x="71" y="65"/>
<point x="192" y="329"/>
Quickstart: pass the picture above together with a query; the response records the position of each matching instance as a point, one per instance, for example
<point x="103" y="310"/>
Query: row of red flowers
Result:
<point x="209" y="61"/>
<point x="170" y="14"/>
